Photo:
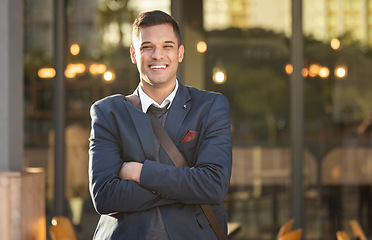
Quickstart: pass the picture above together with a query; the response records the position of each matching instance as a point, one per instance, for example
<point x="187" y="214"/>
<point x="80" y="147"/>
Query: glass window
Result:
<point x="251" y="55"/>
<point x="254" y="60"/>
<point x="337" y="120"/>
<point x="98" y="65"/>
<point x="247" y="58"/>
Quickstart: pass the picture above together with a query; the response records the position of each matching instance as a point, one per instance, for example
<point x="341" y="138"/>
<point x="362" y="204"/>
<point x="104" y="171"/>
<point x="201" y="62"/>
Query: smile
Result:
<point x="158" y="66"/>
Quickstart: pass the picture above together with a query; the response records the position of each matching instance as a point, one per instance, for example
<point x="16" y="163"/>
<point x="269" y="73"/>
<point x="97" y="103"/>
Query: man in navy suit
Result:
<point x="134" y="185"/>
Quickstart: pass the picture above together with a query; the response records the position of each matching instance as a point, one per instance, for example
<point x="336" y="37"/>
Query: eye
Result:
<point x="145" y="47"/>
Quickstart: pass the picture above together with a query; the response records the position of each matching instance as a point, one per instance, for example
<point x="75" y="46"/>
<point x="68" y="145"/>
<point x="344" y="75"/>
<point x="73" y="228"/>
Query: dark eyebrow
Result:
<point x="170" y="42"/>
<point x="148" y="42"/>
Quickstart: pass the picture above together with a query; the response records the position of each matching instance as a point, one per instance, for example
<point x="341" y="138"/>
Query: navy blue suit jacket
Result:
<point x="120" y="133"/>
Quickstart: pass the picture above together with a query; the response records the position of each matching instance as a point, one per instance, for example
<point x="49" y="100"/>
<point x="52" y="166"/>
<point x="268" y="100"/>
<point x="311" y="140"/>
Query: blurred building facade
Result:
<point x="325" y="19"/>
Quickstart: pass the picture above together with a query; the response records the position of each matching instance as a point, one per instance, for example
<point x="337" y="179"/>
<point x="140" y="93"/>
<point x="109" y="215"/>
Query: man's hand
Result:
<point x="131" y="171"/>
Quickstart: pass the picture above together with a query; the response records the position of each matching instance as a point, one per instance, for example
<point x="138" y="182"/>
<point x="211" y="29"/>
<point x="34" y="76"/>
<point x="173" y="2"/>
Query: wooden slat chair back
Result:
<point x="285" y="228"/>
<point x="293" y="235"/>
<point x="342" y="235"/>
<point x="357" y="230"/>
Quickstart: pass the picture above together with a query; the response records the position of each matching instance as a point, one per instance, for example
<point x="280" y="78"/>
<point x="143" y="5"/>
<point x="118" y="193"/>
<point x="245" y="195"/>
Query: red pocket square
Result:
<point x="189" y="135"/>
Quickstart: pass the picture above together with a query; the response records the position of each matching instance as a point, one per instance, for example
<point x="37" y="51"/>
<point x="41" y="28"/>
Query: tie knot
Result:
<point x="157" y="112"/>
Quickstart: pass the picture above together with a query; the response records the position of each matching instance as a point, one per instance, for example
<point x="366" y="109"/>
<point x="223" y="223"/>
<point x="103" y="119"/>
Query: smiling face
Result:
<point x="156" y="52"/>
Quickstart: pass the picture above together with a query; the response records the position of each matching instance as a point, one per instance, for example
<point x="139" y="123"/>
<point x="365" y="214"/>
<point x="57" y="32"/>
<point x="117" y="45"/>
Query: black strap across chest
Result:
<point x="178" y="160"/>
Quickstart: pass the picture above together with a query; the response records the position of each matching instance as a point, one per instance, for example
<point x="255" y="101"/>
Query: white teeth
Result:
<point x="157" y="67"/>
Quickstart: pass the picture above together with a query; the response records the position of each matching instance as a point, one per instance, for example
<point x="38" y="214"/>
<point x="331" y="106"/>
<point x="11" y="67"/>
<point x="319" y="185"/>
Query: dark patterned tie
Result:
<point x="157" y="112"/>
<point x="160" y="114"/>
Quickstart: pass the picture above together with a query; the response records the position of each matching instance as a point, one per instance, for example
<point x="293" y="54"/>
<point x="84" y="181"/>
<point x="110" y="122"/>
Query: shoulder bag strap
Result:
<point x="178" y="160"/>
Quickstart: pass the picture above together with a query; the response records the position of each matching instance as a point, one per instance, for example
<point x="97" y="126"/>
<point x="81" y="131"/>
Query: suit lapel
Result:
<point x="177" y="112"/>
<point x="144" y="130"/>
<point x="176" y="115"/>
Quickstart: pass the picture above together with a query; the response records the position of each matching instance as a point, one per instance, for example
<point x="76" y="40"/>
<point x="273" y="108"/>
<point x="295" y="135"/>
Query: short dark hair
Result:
<point x="153" y="18"/>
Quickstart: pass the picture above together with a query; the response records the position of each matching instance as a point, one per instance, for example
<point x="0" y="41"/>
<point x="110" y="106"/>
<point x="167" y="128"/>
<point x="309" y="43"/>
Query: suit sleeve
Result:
<point x="109" y="193"/>
<point x="208" y="181"/>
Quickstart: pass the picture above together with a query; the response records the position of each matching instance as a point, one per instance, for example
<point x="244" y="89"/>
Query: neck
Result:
<point x="158" y="92"/>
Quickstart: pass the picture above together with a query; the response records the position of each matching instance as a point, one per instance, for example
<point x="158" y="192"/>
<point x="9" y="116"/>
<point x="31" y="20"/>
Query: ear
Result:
<point x="133" y="54"/>
<point x="181" y="51"/>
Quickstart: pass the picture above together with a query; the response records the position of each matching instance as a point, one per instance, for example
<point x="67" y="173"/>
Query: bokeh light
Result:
<point x="46" y="73"/>
<point x="335" y="44"/>
<point x="201" y="46"/>
<point x="75" y="49"/>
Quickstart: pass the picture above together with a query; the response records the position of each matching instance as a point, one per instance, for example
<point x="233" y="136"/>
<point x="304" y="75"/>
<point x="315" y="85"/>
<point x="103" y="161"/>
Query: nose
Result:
<point x="157" y="53"/>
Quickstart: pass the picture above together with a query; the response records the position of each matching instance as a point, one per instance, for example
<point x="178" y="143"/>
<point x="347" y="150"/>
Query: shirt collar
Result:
<point x="146" y="101"/>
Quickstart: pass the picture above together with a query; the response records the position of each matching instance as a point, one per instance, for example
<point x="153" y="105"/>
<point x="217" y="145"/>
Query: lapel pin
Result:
<point x="184" y="107"/>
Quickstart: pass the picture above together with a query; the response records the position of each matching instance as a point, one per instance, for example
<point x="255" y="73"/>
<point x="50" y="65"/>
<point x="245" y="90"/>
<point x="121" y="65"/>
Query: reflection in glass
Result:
<point x="336" y="72"/>
<point x="250" y="41"/>
<point x="98" y="65"/>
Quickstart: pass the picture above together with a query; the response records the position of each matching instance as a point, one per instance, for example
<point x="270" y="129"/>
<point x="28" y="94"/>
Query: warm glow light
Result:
<point x="73" y="69"/>
<point x="288" y="69"/>
<point x="97" y="68"/>
<point x="201" y="47"/>
<point x="54" y="222"/>
<point x="341" y="72"/>
<point x="34" y="169"/>
<point x="75" y="49"/>
<point x="46" y="73"/>
<point x="108" y="76"/>
<point x="314" y="70"/>
<point x="70" y="73"/>
<point x="219" y="77"/>
<point x="79" y="68"/>
<point x="323" y="72"/>
<point x="335" y="43"/>
<point x="305" y="72"/>
<point x="101" y="68"/>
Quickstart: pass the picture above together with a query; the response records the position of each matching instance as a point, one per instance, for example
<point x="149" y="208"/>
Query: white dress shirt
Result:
<point x="146" y="101"/>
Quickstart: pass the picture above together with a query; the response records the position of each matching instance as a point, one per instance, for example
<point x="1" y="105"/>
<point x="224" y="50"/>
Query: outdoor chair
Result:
<point x="285" y="228"/>
<point x="293" y="235"/>
<point x="286" y="233"/>
<point x="342" y="235"/>
<point x="357" y="230"/>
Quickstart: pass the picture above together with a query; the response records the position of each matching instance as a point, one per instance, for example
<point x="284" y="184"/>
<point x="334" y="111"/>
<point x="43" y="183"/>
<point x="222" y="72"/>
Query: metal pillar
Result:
<point x="11" y="82"/>
<point x="297" y="119"/>
<point x="59" y="106"/>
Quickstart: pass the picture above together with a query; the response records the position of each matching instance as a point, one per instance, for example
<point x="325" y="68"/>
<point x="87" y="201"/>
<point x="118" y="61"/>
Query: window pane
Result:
<point x="247" y="58"/>
<point x="250" y="46"/>
<point x="338" y="112"/>
<point x="98" y="65"/>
